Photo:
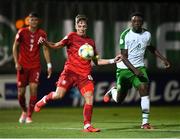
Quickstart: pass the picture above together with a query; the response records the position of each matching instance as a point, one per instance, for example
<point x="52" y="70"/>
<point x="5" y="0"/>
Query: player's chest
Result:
<point x="137" y="41"/>
<point x="77" y="43"/>
<point x="31" y="38"/>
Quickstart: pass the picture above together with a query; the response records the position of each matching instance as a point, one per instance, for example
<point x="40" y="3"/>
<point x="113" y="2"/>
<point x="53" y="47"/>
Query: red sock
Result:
<point x="32" y="103"/>
<point x="49" y="97"/>
<point x="87" y="113"/>
<point x="22" y="102"/>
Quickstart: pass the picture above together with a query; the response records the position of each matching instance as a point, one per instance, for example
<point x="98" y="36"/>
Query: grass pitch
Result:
<point x="114" y="122"/>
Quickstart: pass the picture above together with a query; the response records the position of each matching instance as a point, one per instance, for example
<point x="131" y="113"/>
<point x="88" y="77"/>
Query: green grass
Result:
<point x="115" y="122"/>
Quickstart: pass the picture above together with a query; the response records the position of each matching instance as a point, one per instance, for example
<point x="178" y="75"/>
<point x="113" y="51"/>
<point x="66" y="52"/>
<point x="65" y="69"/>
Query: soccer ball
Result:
<point x="86" y="51"/>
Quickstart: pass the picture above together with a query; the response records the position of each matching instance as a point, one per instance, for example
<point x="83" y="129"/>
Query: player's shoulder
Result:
<point x="71" y="34"/>
<point x="146" y="32"/>
<point x="40" y="30"/>
<point x="91" y="42"/>
<point x="125" y="32"/>
<point x="24" y="29"/>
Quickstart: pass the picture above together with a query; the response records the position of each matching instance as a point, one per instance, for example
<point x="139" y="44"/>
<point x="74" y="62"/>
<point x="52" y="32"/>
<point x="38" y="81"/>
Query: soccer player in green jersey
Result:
<point x="131" y="71"/>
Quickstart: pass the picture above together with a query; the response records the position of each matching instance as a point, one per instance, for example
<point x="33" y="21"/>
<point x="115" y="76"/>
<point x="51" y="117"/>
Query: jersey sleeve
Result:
<point x="122" y="41"/>
<point x="18" y="35"/>
<point x="66" y="40"/>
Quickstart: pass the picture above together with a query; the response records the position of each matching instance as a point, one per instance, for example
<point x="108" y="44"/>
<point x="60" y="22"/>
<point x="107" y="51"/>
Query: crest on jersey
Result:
<point x="121" y="41"/>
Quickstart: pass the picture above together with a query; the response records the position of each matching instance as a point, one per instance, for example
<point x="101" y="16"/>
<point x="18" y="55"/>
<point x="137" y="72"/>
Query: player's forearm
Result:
<point x="128" y="64"/>
<point x="154" y="51"/>
<point x="48" y="44"/>
<point x="105" y="61"/>
<point x="54" y="45"/>
<point x="47" y="55"/>
<point x="15" y="53"/>
<point x="118" y="58"/>
<point x="15" y="57"/>
<point x="157" y="53"/>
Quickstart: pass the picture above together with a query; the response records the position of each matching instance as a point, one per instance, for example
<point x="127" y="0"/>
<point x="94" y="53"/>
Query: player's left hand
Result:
<point x="49" y="73"/>
<point x="118" y="58"/>
<point x="167" y="64"/>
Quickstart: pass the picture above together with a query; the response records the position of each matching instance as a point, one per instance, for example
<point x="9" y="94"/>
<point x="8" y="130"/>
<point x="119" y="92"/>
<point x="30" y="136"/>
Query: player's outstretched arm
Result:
<point x="44" y="42"/>
<point x="125" y="60"/>
<point x="158" y="54"/>
<point x="48" y="61"/>
<point x="99" y="61"/>
<point x="15" y="55"/>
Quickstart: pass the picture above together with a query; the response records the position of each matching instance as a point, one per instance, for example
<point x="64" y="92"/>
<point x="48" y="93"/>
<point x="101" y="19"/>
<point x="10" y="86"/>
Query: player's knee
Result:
<point x="58" y="95"/>
<point x="88" y="97"/>
<point x="143" y="92"/>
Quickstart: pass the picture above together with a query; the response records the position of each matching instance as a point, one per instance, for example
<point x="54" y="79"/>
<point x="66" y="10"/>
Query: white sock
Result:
<point x="114" y="94"/>
<point x="145" y="106"/>
<point x="86" y="126"/>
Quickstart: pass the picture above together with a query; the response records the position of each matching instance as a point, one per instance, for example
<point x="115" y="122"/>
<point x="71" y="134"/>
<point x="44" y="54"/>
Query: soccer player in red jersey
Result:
<point x="77" y="71"/>
<point x="26" y="53"/>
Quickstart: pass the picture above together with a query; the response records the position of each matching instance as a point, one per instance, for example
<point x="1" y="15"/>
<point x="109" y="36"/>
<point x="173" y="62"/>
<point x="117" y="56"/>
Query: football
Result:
<point x="86" y="51"/>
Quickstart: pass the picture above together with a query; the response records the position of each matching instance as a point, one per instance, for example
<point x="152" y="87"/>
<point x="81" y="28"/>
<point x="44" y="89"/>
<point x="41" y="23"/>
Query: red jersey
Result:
<point x="74" y="62"/>
<point x="29" y="50"/>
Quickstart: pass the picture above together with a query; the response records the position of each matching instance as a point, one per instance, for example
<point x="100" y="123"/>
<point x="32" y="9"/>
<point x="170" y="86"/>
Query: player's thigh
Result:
<point x="85" y="84"/>
<point x="86" y="87"/>
<point x="66" y="80"/>
<point x="22" y="78"/>
<point x="59" y="93"/>
<point x="140" y="82"/>
<point x="34" y="75"/>
<point x="123" y="84"/>
<point x="123" y="81"/>
<point x="123" y="91"/>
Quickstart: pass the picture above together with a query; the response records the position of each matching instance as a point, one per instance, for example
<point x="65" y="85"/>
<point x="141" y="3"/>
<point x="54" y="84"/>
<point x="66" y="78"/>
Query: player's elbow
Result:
<point x="96" y="63"/>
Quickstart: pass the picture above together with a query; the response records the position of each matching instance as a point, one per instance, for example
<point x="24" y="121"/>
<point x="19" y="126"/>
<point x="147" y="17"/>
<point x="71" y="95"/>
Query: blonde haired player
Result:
<point x="77" y="71"/>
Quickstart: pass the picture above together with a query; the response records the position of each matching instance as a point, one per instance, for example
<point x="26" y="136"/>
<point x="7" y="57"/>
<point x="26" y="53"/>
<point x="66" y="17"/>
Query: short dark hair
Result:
<point x="137" y="14"/>
<point x="80" y="17"/>
<point x="33" y="14"/>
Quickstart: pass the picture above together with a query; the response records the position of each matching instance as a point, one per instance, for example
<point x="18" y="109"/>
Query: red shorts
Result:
<point x="26" y="76"/>
<point x="69" y="79"/>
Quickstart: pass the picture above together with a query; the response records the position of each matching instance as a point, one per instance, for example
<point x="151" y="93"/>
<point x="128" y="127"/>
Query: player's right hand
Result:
<point x="167" y="64"/>
<point x="41" y="40"/>
<point x="18" y="66"/>
<point x="138" y="73"/>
